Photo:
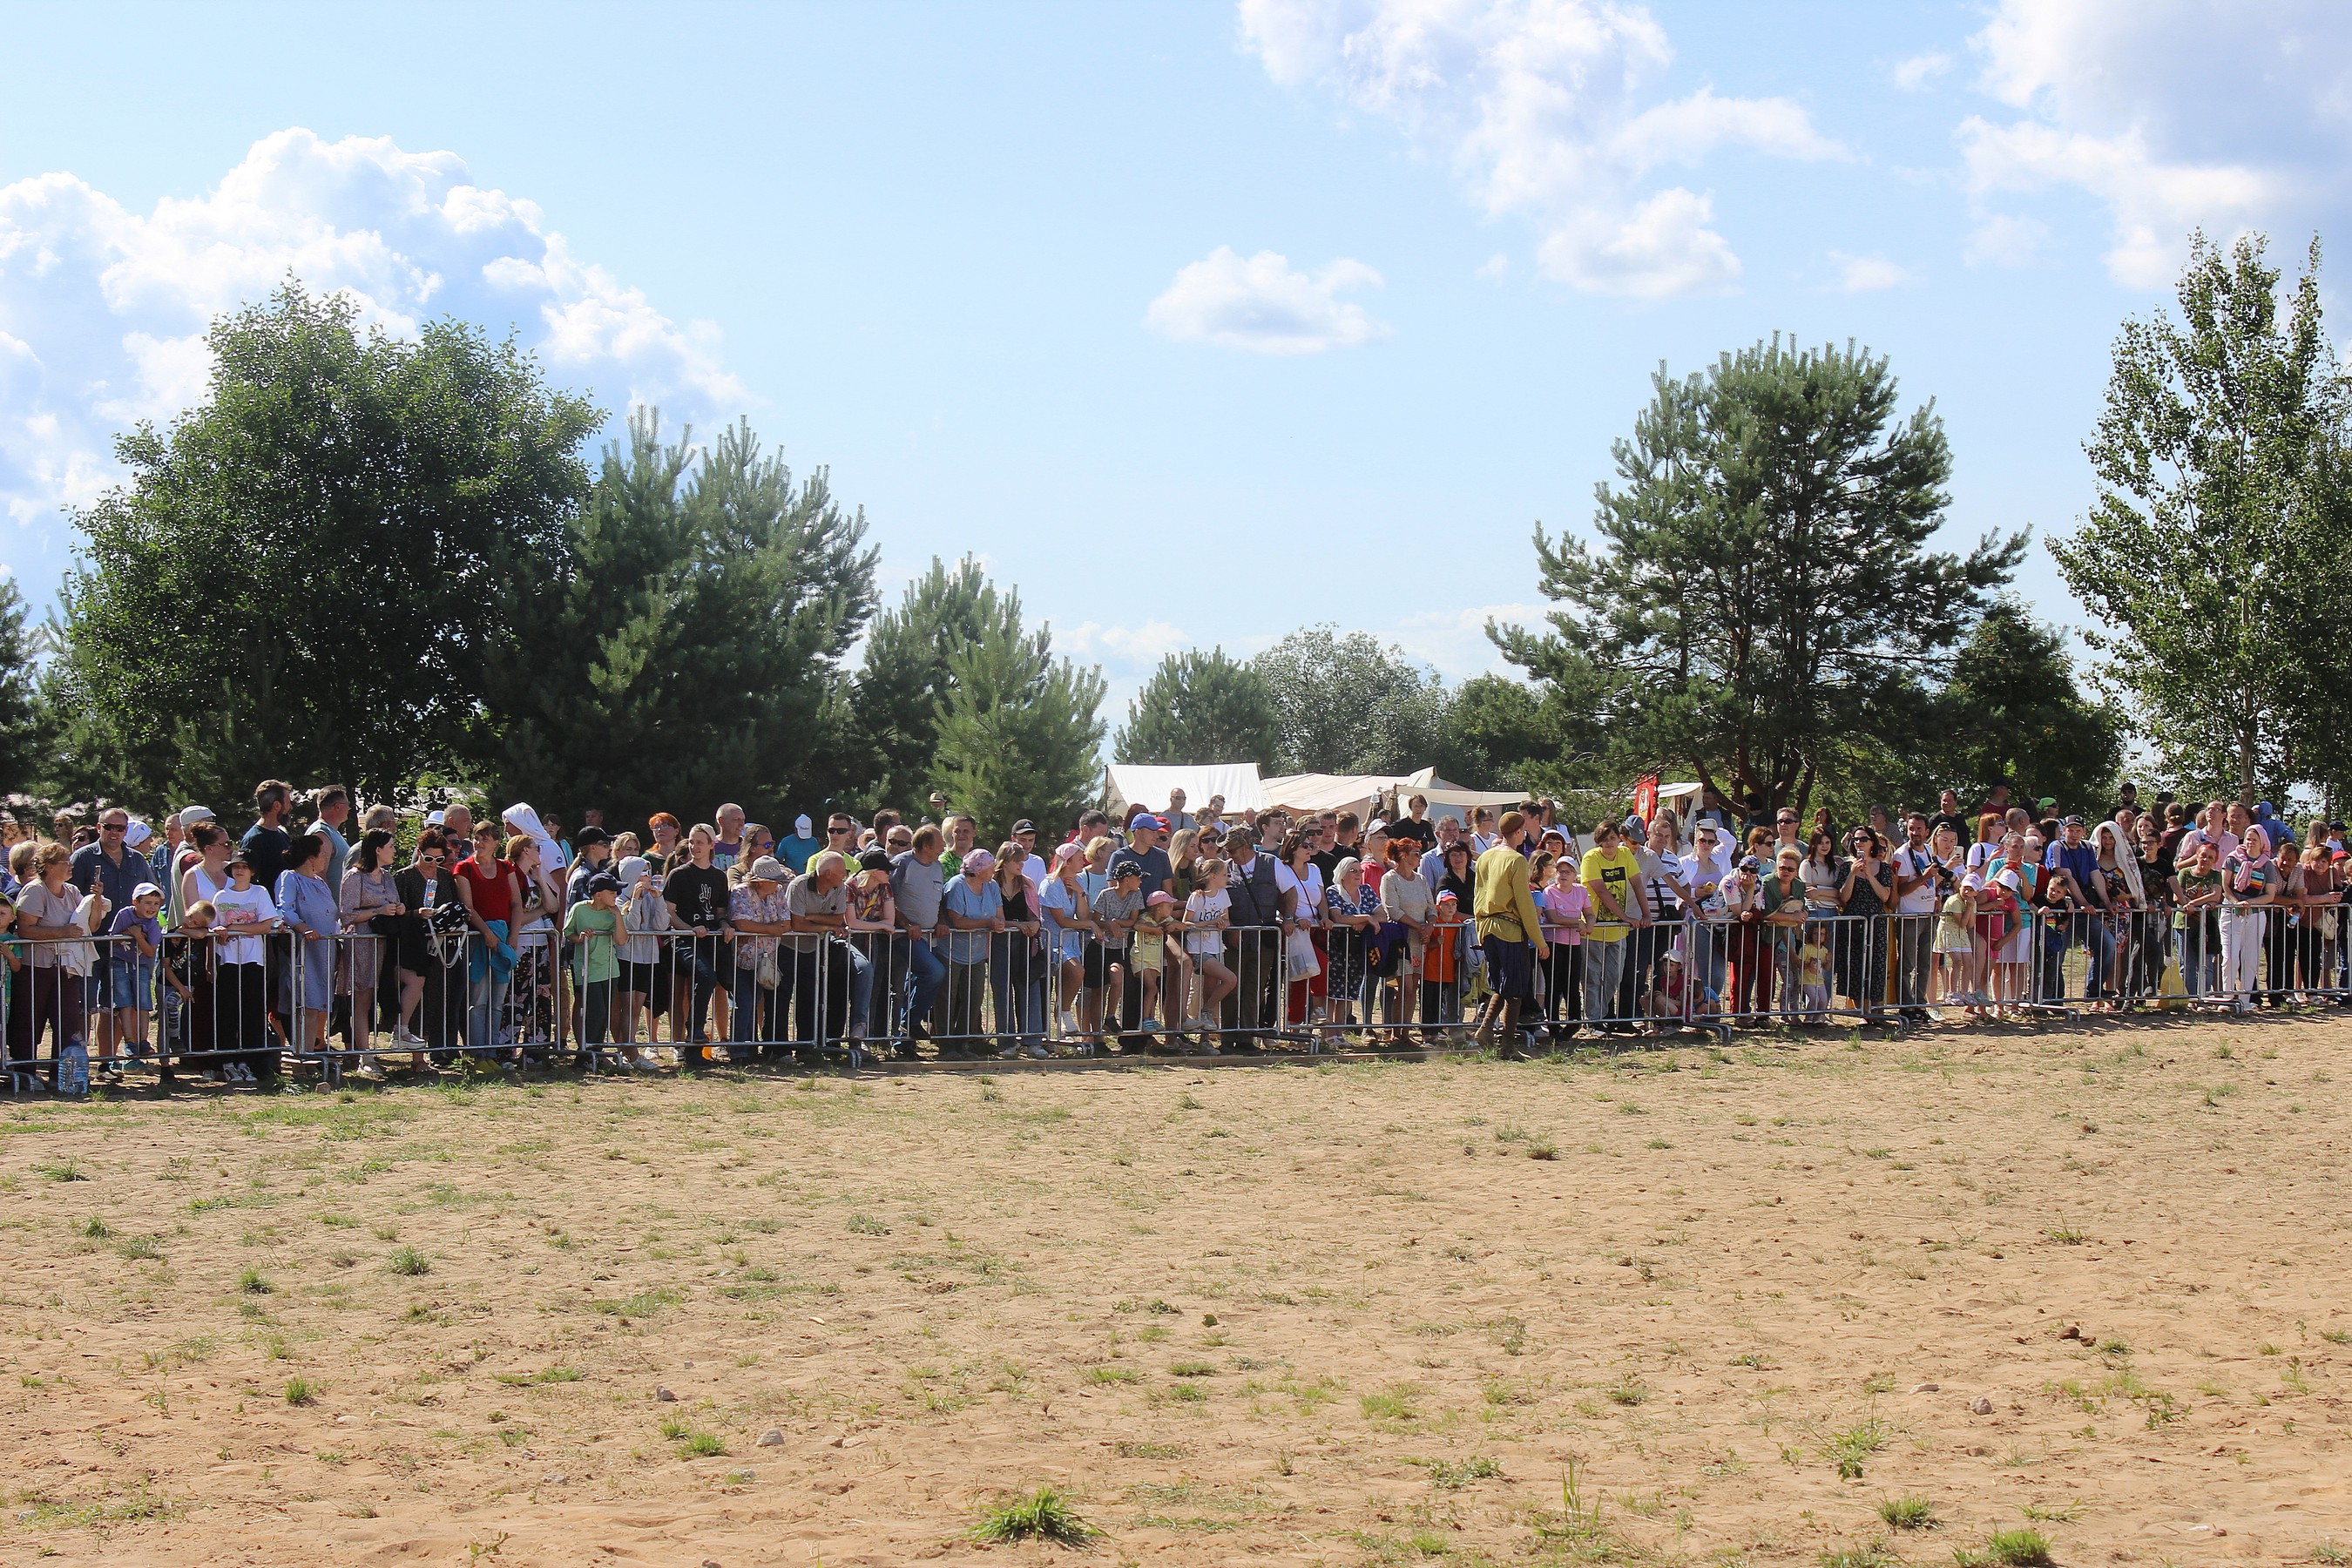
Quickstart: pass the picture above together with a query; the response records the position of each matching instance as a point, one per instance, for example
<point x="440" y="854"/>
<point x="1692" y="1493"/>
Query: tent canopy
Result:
<point x="1129" y="784"/>
<point x="1367" y="793"/>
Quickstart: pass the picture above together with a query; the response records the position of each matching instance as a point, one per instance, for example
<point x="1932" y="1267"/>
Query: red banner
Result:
<point x="1646" y="798"/>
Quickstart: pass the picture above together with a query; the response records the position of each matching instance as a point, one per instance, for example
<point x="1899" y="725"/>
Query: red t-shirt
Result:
<point x="493" y="888"/>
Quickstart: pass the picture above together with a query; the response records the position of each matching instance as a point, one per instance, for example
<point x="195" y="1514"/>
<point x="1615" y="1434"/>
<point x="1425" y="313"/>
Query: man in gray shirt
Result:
<point x="917" y="885"/>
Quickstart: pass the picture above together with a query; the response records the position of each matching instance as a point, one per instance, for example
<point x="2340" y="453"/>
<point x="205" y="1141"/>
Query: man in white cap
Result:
<point x="795" y="850"/>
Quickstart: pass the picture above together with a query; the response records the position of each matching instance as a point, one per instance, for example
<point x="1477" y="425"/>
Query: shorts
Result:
<point x="126" y="983"/>
<point x="1099" y="961"/>
<point x="1510" y="967"/>
<point x="1150" y="953"/>
<point x="636" y="977"/>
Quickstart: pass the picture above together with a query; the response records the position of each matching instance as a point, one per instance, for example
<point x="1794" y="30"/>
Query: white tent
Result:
<point x="1370" y="795"/>
<point x="1126" y="783"/>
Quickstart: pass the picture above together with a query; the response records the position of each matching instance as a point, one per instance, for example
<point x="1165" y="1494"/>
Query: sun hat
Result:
<point x="768" y="868"/>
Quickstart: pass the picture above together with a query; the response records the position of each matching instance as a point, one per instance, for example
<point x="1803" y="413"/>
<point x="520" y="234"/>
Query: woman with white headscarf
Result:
<point x="2249" y="881"/>
<point x="2126" y="901"/>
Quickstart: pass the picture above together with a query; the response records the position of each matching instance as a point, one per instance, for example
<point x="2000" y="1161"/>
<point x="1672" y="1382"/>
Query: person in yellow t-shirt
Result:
<point x="1610" y="874"/>
<point x="1510" y="935"/>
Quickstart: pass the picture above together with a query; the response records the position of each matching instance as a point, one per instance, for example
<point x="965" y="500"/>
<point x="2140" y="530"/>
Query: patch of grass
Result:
<point x="1454" y="1477"/>
<point x="701" y="1446"/>
<point x="96" y="1229"/>
<point x="546" y="1375"/>
<point x="1847" y="1449"/>
<point x="1627" y="1390"/>
<point x="1113" y="1375"/>
<point x="409" y="1261"/>
<point x="1755" y="1361"/>
<point x="867" y="1225"/>
<point x="2008" y="1549"/>
<point x="643" y="1304"/>
<point x="1543" y="1149"/>
<point x="141" y="1246"/>
<point x="1907" y="1514"/>
<point x="1044" y="1514"/>
<point x="1875" y="1554"/>
<point x="1136" y="1449"/>
<point x="300" y="1391"/>
<point x="2331" y="1553"/>
<point x="2065" y="1235"/>
<point x="1192" y="1369"/>
<point x="1393" y="1404"/>
<point x="2065" y="1515"/>
<point x="254" y="1282"/>
<point x="63" y="1171"/>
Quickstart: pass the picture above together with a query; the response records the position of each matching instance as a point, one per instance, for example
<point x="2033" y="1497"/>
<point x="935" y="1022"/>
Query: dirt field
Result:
<point x="1346" y="1314"/>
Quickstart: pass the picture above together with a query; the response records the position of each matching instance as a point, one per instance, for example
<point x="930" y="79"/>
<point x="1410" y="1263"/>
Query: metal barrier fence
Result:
<point x="243" y="1007"/>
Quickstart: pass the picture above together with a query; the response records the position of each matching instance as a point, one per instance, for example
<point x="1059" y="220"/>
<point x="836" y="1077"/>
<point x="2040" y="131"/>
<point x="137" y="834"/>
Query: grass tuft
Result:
<point x="300" y="1391"/>
<point x="409" y="1261"/>
<point x="2007" y="1549"/>
<point x="1907" y="1514"/>
<point x="1041" y="1515"/>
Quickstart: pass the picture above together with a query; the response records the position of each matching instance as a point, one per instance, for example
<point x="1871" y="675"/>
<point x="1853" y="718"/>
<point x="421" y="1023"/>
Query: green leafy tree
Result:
<point x="903" y="678"/>
<point x="1350" y="704"/>
<point x="2215" y="556"/>
<point x="1501" y="733"/>
<point x="306" y="576"/>
<point x="1201" y="708"/>
<point x="1763" y="596"/>
<point x="686" y="644"/>
<point x="21" y="759"/>
<point x="1018" y="731"/>
<point x="2014" y="713"/>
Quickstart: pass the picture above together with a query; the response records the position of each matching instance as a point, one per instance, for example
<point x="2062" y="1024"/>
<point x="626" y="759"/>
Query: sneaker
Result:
<point x="1039" y="1052"/>
<point x="402" y="1035"/>
<point x="213" y="1075"/>
<point x="1069" y="1021"/>
<point x="1009" y="1054"/>
<point x="1149" y="1025"/>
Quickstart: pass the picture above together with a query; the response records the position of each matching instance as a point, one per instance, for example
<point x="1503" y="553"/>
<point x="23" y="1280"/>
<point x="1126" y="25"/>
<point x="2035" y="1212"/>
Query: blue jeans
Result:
<point x="925" y="974"/>
<point x="1709" y="958"/>
<point x="861" y="991"/>
<point x="485" y="1003"/>
<point x="759" y="1013"/>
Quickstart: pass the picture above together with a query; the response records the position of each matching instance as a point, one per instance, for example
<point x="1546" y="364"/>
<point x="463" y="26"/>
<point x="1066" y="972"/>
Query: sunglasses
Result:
<point x="838" y="830"/>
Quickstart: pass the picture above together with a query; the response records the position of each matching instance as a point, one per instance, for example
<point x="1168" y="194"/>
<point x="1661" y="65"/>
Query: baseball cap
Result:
<point x="1160" y="897"/>
<point x="136" y="834"/>
<point x="2072" y="822"/>
<point x="604" y="882"/>
<point x="982" y="861"/>
<point x="191" y="814"/>
<point x="432" y="818"/>
<point x="1149" y="821"/>
<point x="144" y="888"/>
<point x="1067" y="852"/>
<point x="1123" y="869"/>
<point x="588" y="835"/>
<point x="873" y="859"/>
<point x="1024" y="825"/>
<point x="768" y="868"/>
<point x="2047" y="800"/>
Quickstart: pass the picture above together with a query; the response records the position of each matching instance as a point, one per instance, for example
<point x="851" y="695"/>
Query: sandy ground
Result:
<point x="1288" y="1314"/>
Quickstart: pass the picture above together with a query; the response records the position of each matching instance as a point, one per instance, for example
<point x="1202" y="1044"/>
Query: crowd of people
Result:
<point x="357" y="938"/>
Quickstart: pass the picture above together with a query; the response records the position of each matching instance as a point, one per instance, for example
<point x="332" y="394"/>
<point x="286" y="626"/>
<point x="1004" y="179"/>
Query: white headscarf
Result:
<point x="519" y="818"/>
<point x="2111" y="843"/>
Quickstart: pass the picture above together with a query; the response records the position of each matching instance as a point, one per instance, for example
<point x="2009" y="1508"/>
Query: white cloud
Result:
<point x="1494" y="269"/>
<point x="1916" y="72"/>
<point x="2194" y="114"/>
<point x="1139" y="646"/>
<point x="1454" y="642"/>
<point x="1261" y="305"/>
<point x="1538" y="106"/>
<point x="2002" y="239"/>
<point x="103" y="311"/>
<point x="1863" y="274"/>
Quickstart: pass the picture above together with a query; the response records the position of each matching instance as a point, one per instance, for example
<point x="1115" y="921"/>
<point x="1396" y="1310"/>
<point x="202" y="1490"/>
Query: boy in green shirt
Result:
<point x="591" y="927"/>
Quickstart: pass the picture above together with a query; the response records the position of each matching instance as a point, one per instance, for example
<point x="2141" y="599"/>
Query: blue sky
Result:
<point x="1125" y="297"/>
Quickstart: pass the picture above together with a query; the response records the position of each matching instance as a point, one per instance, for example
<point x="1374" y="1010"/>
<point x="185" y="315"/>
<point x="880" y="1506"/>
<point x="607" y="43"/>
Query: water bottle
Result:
<point x="73" y="1070"/>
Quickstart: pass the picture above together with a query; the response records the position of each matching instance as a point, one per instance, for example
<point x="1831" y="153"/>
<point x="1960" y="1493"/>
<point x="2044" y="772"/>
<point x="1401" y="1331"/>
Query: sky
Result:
<point x="1197" y="322"/>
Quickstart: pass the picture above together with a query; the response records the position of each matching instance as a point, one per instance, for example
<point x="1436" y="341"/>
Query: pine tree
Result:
<point x="1019" y="732"/>
<point x="1201" y="708"/>
<point x="689" y="650"/>
<point x="903" y="679"/>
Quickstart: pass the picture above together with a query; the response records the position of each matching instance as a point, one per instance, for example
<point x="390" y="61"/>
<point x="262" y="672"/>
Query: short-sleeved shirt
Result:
<point x="1616" y="871"/>
<point x="1157" y="868"/>
<point x="595" y="958"/>
<point x="745" y="903"/>
<point x="1561" y="904"/>
<point x="492" y="885"/>
<point x="1113" y="907"/>
<point x="985" y="902"/>
<point x="126" y="921"/>
<point x="796" y="851"/>
<point x="1423" y="833"/>
<point x="1310" y="888"/>
<point x="266" y="850"/>
<point x="697" y="896"/>
<point x="801" y="899"/>
<point x="92" y="871"/>
<point x="252" y="902"/>
<point x="919" y="890"/>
